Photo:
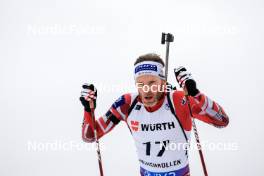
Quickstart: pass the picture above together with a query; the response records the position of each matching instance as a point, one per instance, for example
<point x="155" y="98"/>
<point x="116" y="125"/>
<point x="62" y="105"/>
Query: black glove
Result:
<point x="89" y="93"/>
<point x="185" y="80"/>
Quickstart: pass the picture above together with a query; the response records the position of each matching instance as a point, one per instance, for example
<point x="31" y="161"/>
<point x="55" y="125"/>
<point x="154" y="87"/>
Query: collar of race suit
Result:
<point x="157" y="105"/>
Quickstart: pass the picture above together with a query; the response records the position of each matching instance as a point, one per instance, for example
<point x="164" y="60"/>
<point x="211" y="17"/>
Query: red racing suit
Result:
<point x="155" y="127"/>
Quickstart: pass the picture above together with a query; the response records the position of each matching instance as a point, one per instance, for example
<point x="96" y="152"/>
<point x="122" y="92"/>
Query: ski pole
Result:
<point x="194" y="127"/>
<point x="96" y="139"/>
<point x="196" y="134"/>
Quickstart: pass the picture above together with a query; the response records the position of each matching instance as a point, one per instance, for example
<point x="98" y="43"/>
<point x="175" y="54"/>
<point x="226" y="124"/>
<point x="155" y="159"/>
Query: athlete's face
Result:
<point x="150" y="89"/>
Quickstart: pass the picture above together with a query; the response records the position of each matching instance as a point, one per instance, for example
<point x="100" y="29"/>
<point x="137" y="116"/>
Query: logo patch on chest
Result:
<point x="136" y="126"/>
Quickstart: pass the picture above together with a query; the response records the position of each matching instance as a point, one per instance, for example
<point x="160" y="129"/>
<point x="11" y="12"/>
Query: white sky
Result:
<point x="49" y="48"/>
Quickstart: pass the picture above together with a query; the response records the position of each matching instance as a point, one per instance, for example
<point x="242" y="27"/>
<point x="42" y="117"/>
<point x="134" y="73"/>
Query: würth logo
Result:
<point x="151" y="127"/>
<point x="134" y="125"/>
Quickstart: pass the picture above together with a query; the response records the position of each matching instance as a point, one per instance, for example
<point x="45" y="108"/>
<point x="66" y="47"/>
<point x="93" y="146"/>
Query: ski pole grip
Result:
<point x="177" y="72"/>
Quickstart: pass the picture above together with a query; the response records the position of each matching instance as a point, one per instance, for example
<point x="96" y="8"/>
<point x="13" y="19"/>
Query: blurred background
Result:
<point x="49" y="48"/>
